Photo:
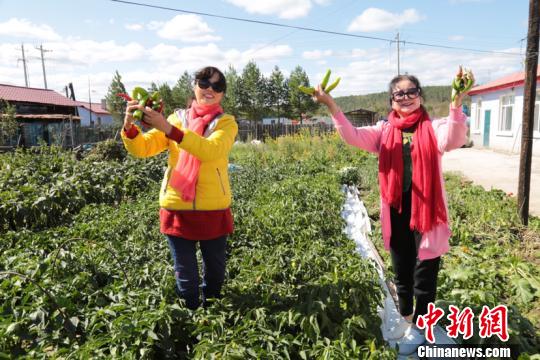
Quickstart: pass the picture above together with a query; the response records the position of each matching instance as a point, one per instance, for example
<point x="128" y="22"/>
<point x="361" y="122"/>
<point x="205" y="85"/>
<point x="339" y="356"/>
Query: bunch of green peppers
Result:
<point x="324" y="82"/>
<point x="153" y="101"/>
<point x="462" y="83"/>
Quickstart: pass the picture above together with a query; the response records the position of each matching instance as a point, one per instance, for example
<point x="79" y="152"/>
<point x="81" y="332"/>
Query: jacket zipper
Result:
<point x="168" y="177"/>
<point x="220" y="181"/>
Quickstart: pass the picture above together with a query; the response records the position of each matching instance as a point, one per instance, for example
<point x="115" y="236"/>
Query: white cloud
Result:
<point x="372" y="72"/>
<point x="187" y="28"/>
<point x="24" y="28"/>
<point x="90" y="52"/>
<point x="456" y="37"/>
<point x="134" y="27"/>
<point x="193" y="57"/>
<point x="373" y="19"/>
<point x="266" y="53"/>
<point x="285" y="9"/>
<point x="154" y="25"/>
<point x="317" y="54"/>
<point x="111" y="21"/>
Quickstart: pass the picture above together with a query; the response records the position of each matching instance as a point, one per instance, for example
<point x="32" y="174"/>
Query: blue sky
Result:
<point x="91" y="39"/>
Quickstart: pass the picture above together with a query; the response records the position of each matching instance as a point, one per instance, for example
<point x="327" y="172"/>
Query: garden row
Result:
<point x="45" y="186"/>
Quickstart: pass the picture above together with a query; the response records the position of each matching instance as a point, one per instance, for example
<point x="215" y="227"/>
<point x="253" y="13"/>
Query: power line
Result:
<point x="296" y="30"/>
<point x="309" y="29"/>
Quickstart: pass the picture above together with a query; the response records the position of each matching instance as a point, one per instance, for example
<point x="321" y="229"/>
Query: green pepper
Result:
<point x="155" y="101"/>
<point x="332" y="86"/>
<point x="141" y="96"/>
<point x="325" y="79"/>
<point x="462" y="82"/>
<point x="306" y="90"/>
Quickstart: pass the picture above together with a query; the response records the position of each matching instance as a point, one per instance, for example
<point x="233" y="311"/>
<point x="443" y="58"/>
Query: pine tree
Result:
<point x="231" y="101"/>
<point x="251" y="92"/>
<point x="182" y="92"/>
<point x="115" y="104"/>
<point x="165" y="93"/>
<point x="277" y="93"/>
<point x="300" y="103"/>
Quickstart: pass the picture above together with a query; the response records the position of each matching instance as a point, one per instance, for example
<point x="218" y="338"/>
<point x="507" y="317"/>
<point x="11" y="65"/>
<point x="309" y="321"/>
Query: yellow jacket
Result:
<point x="213" y="191"/>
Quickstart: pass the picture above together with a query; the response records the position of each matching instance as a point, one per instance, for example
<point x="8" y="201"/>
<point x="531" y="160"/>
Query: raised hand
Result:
<point x="461" y="84"/>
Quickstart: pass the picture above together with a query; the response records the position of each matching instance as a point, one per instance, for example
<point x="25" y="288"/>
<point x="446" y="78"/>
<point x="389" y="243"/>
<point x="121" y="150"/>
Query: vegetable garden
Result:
<point x="85" y="273"/>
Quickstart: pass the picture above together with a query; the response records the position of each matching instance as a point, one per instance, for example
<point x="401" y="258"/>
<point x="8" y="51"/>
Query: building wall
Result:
<point x="106" y="120"/>
<point x="35" y="132"/>
<point x="509" y="141"/>
<point x="362" y="117"/>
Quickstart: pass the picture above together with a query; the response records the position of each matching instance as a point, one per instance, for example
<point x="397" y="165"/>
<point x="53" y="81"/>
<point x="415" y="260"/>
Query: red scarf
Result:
<point x="186" y="173"/>
<point x="427" y="204"/>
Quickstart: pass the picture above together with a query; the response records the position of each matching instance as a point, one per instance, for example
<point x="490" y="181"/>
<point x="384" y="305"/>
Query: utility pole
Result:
<point x="24" y="65"/>
<point x="397" y="38"/>
<point x="89" y="101"/>
<point x="40" y="48"/>
<point x="72" y="92"/>
<point x="529" y="97"/>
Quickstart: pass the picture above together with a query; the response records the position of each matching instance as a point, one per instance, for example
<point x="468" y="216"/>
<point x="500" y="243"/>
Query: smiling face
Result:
<point x="208" y="96"/>
<point x="402" y="99"/>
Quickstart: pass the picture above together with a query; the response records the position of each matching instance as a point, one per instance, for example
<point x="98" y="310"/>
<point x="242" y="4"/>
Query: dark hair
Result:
<point x="207" y="72"/>
<point x="399" y="78"/>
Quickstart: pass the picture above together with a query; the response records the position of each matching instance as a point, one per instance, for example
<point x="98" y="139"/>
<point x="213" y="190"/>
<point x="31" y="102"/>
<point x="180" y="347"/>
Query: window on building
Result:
<point x="507" y="107"/>
<point x="477" y="116"/>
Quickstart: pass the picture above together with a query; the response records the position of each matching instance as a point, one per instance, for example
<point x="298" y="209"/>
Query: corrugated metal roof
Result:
<point x="96" y="107"/>
<point x="509" y="81"/>
<point x="33" y="95"/>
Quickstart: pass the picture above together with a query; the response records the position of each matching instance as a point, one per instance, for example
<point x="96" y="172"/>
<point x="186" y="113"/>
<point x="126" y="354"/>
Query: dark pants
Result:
<point x="414" y="278"/>
<point x="187" y="270"/>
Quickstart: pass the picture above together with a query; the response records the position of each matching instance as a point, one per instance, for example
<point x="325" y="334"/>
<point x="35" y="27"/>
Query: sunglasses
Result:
<point x="411" y="93"/>
<point x="205" y="84"/>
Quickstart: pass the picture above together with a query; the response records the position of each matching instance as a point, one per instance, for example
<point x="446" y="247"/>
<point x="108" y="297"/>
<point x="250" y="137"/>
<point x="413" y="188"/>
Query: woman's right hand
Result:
<point x="320" y="96"/>
<point x="128" y="118"/>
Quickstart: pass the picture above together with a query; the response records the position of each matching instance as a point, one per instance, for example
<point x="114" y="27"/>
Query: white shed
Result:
<point x="496" y="114"/>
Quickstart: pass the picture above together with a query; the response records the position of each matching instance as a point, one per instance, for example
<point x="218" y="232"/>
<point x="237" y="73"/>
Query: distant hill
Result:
<point x="436" y="101"/>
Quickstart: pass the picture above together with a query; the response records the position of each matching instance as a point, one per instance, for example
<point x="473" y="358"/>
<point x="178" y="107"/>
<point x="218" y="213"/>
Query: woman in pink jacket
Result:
<point x="414" y="212"/>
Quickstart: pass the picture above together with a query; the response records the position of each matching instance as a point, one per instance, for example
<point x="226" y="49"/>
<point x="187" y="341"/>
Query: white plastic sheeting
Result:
<point x="358" y="228"/>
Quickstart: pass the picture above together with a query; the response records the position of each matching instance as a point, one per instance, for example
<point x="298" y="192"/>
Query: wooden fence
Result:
<point x="252" y="131"/>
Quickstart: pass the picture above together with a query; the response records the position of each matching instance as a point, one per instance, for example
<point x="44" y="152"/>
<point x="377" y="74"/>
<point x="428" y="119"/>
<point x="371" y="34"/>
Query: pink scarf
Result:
<point x="186" y="173"/>
<point x="427" y="204"/>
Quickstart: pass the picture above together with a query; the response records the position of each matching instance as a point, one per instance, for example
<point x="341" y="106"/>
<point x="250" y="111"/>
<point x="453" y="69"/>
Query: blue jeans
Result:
<point x="187" y="270"/>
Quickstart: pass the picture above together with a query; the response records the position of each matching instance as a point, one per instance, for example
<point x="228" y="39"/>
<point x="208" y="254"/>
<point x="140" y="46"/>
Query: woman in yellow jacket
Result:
<point x="195" y="197"/>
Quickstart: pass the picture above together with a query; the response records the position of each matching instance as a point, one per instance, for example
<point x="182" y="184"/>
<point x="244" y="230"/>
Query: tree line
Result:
<point x="250" y="95"/>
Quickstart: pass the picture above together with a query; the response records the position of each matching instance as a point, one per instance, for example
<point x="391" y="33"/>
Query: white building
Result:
<point x="496" y="114"/>
<point x="94" y="114"/>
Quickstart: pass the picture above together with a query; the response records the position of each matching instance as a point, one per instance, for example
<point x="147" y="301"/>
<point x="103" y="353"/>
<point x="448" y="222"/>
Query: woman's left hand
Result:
<point x="155" y="119"/>
<point x="458" y="99"/>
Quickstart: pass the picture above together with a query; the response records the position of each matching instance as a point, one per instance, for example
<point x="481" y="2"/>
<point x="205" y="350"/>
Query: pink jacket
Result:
<point x="451" y="133"/>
